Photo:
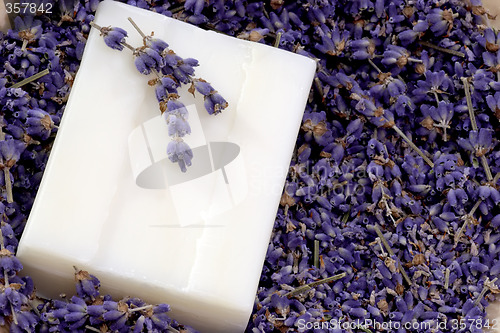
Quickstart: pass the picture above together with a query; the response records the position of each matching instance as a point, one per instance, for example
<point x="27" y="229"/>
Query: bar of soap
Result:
<point x="110" y="203"/>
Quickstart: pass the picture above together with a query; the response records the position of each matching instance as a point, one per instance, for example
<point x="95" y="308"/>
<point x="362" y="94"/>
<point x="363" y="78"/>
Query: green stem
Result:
<point x="391" y="253"/>
<point x="177" y="9"/>
<point x="31" y="78"/>
<point x="412" y="145"/>
<point x="442" y="49"/>
<point x="374" y="66"/>
<point x="278" y="39"/>
<point x="8" y="184"/>
<point x="467" y="218"/>
<point x="311" y="285"/>
<point x="316" y="253"/>
<point x="469" y="103"/>
<point x="486" y="168"/>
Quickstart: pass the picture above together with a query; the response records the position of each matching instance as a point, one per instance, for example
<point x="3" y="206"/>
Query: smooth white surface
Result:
<point x="199" y="244"/>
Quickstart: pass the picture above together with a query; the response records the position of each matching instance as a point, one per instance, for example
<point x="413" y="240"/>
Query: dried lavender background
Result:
<point x="352" y="171"/>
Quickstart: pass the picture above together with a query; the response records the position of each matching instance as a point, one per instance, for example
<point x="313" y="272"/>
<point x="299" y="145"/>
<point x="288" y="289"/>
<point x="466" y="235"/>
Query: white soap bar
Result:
<point x="110" y="203"/>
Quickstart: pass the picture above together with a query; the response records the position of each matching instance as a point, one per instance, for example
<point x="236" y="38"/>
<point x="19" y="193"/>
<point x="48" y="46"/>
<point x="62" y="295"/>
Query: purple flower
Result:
<point x="203" y="87"/>
<point x="179" y="152"/>
<point x="441" y="21"/>
<point x="156" y="44"/>
<point x="27" y="29"/>
<point x="39" y="124"/>
<point x="165" y="88"/>
<point x="479" y="142"/>
<point x="195" y="6"/>
<point x="397" y="55"/>
<point x="87" y="285"/>
<point x="114" y="37"/>
<point x="435" y="83"/>
<point x="362" y="48"/>
<point x="9" y="264"/>
<point x="408" y="36"/>
<point x="176" y="107"/>
<point x="177" y="126"/>
<point x="333" y="42"/>
<point x="148" y="59"/>
<point x="11" y="151"/>
<point x="215" y="103"/>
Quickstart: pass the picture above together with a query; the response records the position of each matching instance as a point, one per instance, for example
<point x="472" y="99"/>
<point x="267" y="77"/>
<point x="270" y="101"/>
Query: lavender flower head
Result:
<point x="40" y="124"/>
<point x="27" y="29"/>
<point x="176" y="118"/>
<point x="114" y="37"/>
<point x="179" y="152"/>
<point x="171" y="72"/>
<point x="147" y="60"/>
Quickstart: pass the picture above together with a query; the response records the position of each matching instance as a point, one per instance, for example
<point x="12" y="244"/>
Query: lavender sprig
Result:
<point x="484" y="161"/>
<point x="171" y="72"/>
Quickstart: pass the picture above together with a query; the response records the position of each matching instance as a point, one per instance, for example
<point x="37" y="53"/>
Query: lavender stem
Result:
<point x="8" y="185"/>
<point x="316" y="253"/>
<point x="437" y="97"/>
<point x="31" y="78"/>
<point x="25" y="43"/>
<point x="415" y="60"/>
<point x="141" y="308"/>
<point x="391" y="253"/>
<point x="374" y="66"/>
<point x="137" y="27"/>
<point x="442" y="49"/>
<point x="467" y="218"/>
<point x="317" y="84"/>
<point x="446" y="278"/>
<point x="484" y="162"/>
<point x="278" y="39"/>
<point x="412" y="145"/>
<point x="486" y="287"/>
<point x="469" y="103"/>
<point x="309" y="286"/>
